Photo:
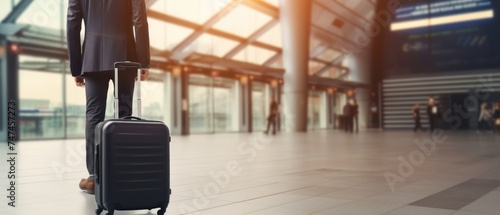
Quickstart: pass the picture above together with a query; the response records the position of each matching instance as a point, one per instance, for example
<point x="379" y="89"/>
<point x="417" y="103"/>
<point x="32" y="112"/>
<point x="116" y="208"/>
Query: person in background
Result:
<point x="355" y="113"/>
<point x="485" y="117"/>
<point x="496" y="117"/>
<point x="273" y="115"/>
<point x="348" y="117"/>
<point x="433" y="112"/>
<point x="416" y="117"/>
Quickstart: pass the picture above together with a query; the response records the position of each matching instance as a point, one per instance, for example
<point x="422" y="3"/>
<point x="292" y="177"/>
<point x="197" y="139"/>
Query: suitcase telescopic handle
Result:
<point x="127" y="64"/>
<point x="124" y="65"/>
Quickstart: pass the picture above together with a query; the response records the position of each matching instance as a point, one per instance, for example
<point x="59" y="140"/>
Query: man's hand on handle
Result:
<point x="144" y="74"/>
<point x="80" y="81"/>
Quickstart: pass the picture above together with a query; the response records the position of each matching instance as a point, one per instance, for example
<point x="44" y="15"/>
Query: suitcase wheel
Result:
<point x="98" y="211"/>
<point x="110" y="211"/>
<point x="161" y="212"/>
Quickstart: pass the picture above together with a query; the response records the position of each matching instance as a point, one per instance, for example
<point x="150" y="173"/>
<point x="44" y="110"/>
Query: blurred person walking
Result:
<point x="434" y="113"/>
<point x="273" y="116"/>
<point x="348" y="117"/>
<point x="416" y="117"/>
<point x="485" y="118"/>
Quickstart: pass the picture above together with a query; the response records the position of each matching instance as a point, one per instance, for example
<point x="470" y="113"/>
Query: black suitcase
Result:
<point x="132" y="160"/>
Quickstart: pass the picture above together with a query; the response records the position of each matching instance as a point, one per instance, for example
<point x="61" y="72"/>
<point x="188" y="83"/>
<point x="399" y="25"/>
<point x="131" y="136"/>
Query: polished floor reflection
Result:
<point x="319" y="172"/>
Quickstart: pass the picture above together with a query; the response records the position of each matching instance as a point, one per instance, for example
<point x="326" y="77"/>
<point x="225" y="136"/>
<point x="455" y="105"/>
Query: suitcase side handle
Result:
<point x="122" y="65"/>
<point x="131" y="117"/>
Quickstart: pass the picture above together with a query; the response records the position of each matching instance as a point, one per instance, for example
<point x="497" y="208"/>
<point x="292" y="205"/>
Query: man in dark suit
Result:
<point x="348" y="117"/>
<point x="109" y="37"/>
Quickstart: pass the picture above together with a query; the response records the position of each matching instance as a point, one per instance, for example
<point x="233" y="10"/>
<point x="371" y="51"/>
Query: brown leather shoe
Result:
<point x="83" y="184"/>
<point x="90" y="186"/>
<point x="87" y="184"/>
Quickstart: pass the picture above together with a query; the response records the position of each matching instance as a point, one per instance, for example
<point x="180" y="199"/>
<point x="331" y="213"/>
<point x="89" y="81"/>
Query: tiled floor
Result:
<point x="321" y="172"/>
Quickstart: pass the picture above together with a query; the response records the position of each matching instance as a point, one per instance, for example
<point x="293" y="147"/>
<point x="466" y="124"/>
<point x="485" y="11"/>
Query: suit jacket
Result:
<point x="109" y="34"/>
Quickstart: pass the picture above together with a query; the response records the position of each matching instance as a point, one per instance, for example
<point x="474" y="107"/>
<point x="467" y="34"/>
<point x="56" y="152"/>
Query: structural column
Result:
<point x="326" y="114"/>
<point x="295" y="17"/>
<point x="332" y="110"/>
<point x="323" y="108"/>
<point x="245" y="99"/>
<point x="167" y="100"/>
<point x="236" y="104"/>
<point x="180" y="101"/>
<point x="363" y="99"/>
<point x="278" y="90"/>
<point x="9" y="80"/>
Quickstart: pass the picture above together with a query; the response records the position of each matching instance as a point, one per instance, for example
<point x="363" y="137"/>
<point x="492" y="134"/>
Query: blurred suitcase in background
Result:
<point x="132" y="160"/>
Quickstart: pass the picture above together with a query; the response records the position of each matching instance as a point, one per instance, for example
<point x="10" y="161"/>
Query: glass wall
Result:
<point x="41" y="103"/>
<point x="75" y="108"/>
<point x="313" y="111"/>
<point x="152" y="97"/>
<point x="200" y="108"/>
<point x="223" y="105"/>
<point x="52" y="106"/>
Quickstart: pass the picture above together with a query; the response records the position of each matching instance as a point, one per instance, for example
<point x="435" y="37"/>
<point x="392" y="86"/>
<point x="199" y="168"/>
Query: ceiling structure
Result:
<point x="237" y="35"/>
<point x="333" y="28"/>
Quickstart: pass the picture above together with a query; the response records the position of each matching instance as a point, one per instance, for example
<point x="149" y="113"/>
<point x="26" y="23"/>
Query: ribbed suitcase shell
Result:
<point x="132" y="165"/>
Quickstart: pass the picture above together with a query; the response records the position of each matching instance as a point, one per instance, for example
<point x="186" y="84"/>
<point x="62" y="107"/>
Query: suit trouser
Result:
<point x="96" y="91"/>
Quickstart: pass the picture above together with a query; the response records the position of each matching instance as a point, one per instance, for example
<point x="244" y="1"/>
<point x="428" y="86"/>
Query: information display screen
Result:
<point x="443" y="36"/>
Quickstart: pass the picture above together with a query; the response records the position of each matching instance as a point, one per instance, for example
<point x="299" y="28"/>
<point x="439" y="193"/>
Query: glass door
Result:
<point x="211" y="104"/>
<point x="222" y="100"/>
<point x="260" y="106"/>
<point x="200" y="109"/>
<point x="313" y="111"/>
